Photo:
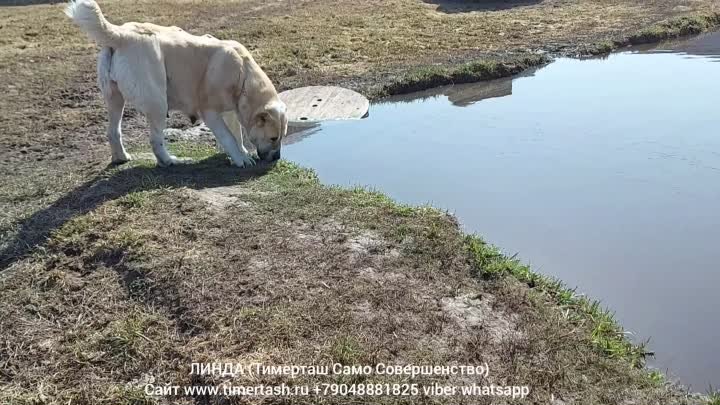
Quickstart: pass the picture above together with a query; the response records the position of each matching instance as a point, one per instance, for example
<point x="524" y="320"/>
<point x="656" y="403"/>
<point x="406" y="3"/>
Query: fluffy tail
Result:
<point x="87" y="15"/>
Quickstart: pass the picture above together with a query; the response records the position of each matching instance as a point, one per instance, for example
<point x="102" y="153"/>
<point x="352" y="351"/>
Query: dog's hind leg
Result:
<point x="115" y="104"/>
<point x="157" y="139"/>
<point x="142" y="79"/>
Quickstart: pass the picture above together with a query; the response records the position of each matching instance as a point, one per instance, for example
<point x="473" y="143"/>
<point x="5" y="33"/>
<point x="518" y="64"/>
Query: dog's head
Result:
<point x="268" y="128"/>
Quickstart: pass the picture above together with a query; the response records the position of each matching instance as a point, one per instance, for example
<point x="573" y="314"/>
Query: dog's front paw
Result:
<point x="173" y="160"/>
<point x="244" y="160"/>
<point x="121" y="158"/>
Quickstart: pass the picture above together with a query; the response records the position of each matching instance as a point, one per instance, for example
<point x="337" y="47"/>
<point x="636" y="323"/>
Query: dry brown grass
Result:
<point x="343" y="40"/>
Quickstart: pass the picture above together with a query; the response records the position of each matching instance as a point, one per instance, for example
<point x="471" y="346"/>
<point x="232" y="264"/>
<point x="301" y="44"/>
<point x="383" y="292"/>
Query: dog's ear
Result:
<point x="262" y="118"/>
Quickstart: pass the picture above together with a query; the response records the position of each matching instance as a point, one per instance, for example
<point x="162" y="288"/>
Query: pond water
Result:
<point x="604" y="173"/>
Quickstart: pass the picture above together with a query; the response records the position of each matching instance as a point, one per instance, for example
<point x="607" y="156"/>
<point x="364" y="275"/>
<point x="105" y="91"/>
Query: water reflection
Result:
<point x="705" y="45"/>
<point x="296" y="134"/>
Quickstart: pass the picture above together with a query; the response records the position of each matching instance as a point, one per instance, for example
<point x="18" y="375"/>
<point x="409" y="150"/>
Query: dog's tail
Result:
<point x="87" y="15"/>
<point x="104" y="65"/>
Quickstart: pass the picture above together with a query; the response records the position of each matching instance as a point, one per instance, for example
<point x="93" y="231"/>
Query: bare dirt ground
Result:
<point x="114" y="277"/>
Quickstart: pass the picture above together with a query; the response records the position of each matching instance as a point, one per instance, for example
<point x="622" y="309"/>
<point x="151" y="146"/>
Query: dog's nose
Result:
<point x="269" y="156"/>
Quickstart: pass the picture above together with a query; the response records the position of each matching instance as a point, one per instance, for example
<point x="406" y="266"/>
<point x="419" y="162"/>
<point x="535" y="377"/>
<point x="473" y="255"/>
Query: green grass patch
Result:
<point x="74" y="228"/>
<point x="127" y="339"/>
<point x="135" y="199"/>
<point x="432" y="76"/>
<point x="193" y="150"/>
<point x="713" y="397"/>
<point x="674" y="28"/>
<point x="288" y="176"/>
<point x="603" y="47"/>
<point x="123" y="395"/>
<point x="656" y="377"/>
<point x="666" y="30"/>
<point x="72" y="237"/>
<point x="606" y="334"/>
<point x="347" y="350"/>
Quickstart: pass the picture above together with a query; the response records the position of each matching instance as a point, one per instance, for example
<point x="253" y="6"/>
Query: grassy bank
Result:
<point x="426" y="77"/>
<point x="666" y="30"/>
<point x="433" y="76"/>
<point x="152" y="269"/>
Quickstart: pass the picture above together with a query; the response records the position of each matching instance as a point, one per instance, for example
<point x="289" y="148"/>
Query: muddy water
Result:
<point x="604" y="173"/>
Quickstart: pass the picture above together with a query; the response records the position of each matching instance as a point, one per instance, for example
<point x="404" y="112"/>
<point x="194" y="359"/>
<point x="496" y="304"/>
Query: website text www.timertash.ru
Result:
<point x="339" y="390"/>
<point x="474" y="381"/>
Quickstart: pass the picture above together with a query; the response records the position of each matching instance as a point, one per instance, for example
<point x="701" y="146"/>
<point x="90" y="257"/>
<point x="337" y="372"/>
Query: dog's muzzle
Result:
<point x="269" y="156"/>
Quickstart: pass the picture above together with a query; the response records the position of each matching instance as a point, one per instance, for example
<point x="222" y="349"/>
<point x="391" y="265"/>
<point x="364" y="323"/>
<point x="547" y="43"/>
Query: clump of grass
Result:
<point x="127" y="239"/>
<point x="115" y="247"/>
<point x="130" y="396"/>
<point x="23" y="398"/>
<point x="656" y="377"/>
<point x="433" y="76"/>
<point x="192" y="150"/>
<point x="346" y="350"/>
<point x="95" y="237"/>
<point x="126" y="338"/>
<point x="675" y="28"/>
<point x="134" y="199"/>
<point x="286" y="174"/>
<point x="604" y="47"/>
<point x="71" y="237"/>
<point x="74" y="228"/>
<point x="606" y="335"/>
<point x="713" y="397"/>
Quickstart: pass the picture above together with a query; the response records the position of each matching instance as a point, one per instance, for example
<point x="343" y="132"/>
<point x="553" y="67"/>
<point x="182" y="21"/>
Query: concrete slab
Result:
<point x="309" y="105"/>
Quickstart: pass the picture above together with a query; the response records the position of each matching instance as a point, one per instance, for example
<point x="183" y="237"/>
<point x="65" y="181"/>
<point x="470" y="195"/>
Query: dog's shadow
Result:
<point x="115" y="182"/>
<point x="8" y="3"/>
<point x="466" y="6"/>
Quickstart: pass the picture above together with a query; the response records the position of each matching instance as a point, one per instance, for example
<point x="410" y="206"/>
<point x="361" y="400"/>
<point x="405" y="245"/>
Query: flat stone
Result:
<point x="309" y="105"/>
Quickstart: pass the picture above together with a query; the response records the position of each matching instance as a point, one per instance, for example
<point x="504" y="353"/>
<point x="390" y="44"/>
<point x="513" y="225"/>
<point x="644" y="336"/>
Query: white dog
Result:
<point x="158" y="69"/>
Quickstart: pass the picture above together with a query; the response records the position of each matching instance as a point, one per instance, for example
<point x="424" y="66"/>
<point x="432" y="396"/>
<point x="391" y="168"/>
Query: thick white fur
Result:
<point x="88" y="16"/>
<point x="160" y="68"/>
